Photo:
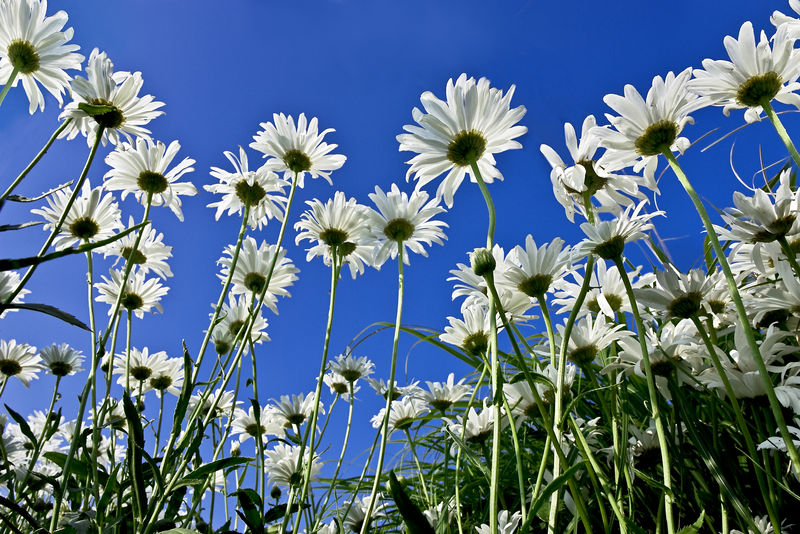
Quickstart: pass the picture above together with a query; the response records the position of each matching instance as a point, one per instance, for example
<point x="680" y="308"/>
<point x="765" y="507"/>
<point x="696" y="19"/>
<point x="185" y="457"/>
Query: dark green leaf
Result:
<point x="135" y="448"/>
<point x="413" y="517"/>
<point x="20" y="511"/>
<point x="250" y="504"/>
<point x="49" y="310"/>
<point x="23" y="425"/>
<point x="554" y="486"/>
<point x="694" y="528"/>
<point x="223" y="463"/>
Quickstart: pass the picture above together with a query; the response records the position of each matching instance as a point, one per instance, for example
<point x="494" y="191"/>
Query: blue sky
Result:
<point x="360" y="67"/>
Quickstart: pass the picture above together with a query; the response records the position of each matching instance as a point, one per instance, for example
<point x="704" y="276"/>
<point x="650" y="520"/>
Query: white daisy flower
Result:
<point x="61" y="360"/>
<point x="339" y="385"/>
<point x="245" y="425"/>
<point x="792" y="23"/>
<point x="402" y="414"/>
<point x="139" y="296"/>
<point x="442" y="395"/>
<point x="352" y="368"/>
<point x="533" y="271"/>
<point x="297" y="150"/>
<point x="235" y="313"/>
<point x="607" y="239"/>
<point x="506" y="524"/>
<point x="292" y="411"/>
<point x="151" y="252"/>
<point x="142" y="171"/>
<point x="167" y="377"/>
<point x="589" y="337"/>
<point x="92" y="217"/>
<point x="470" y="127"/>
<point x="403" y="221"/>
<point x="382" y="388"/>
<point x="9" y="280"/>
<point x="19" y="360"/>
<point x="223" y="407"/>
<point x="118" y="91"/>
<point x="756" y="74"/>
<point x="261" y="190"/>
<point x="647" y="127"/>
<point x="143" y="365"/>
<point x="357" y="512"/>
<point x="520" y="396"/>
<point x="35" y="46"/>
<point x="478" y="427"/>
<point x="471" y="333"/>
<point x="338" y="224"/>
<point x="252" y="269"/>
<point x="284" y="466"/>
<point x="588" y="175"/>
<point x="677" y="294"/>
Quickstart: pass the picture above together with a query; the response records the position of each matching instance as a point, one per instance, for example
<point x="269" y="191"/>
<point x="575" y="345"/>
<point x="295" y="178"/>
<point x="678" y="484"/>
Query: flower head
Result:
<point x="297" y="149"/>
<point x="140" y="295"/>
<point x="9" y="280"/>
<point x="284" y="467"/>
<point x="151" y="253"/>
<point x="19" y="360"/>
<point x="61" y="360"/>
<point x="442" y="395"/>
<point x="36" y="46"/>
<point x="402" y="414"/>
<point x="469" y="128"/>
<point x="607" y="239"/>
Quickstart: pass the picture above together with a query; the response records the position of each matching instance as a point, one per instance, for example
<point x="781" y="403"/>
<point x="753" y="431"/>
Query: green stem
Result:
<point x="9" y="83"/>
<point x="789" y="256"/>
<point x="740" y="311"/>
<point x="653" y="395"/>
<point x="341" y="455"/>
<point x="389" y="392"/>
<point x="420" y="475"/>
<point x="93" y="345"/>
<point x="38" y="445"/>
<point x="33" y="163"/>
<point x="782" y="133"/>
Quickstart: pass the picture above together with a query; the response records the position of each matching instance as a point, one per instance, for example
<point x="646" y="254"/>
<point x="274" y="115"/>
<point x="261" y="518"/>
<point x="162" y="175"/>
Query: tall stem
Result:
<point x="782" y="133"/>
<point x="9" y="83"/>
<point x="389" y="393"/>
<point x="33" y="163"/>
<point x="740" y="310"/>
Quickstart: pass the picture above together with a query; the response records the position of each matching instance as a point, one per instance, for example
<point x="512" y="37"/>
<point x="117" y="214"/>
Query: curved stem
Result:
<point x="782" y="133"/>
<point x="740" y="311"/>
<point x="33" y="163"/>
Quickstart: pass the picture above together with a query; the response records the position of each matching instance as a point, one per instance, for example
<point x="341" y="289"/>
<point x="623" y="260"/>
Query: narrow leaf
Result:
<point x="20" y="226"/>
<point x="48" y="310"/>
<point x="20" y="198"/>
<point x="413" y="517"/>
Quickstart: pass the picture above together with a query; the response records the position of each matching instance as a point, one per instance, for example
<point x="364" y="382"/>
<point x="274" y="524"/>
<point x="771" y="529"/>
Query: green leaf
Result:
<point x="48" y="310"/>
<point x="20" y="226"/>
<point x="179" y="531"/>
<point x="413" y="517"/>
<point x="23" y="425"/>
<point x="250" y="504"/>
<point x="20" y="511"/>
<point x="554" y="486"/>
<point x="223" y="463"/>
<point x="694" y="528"/>
<point x="95" y="109"/>
<point x="77" y="467"/>
<point x="135" y="448"/>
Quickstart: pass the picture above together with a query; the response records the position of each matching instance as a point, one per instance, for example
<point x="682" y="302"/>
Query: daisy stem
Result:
<point x="93" y="331"/>
<point x="7" y="86"/>
<point x="312" y="425"/>
<point x="258" y="437"/>
<point x="128" y="325"/>
<point x="222" y="295"/>
<point x="737" y="410"/>
<point x="559" y="400"/>
<point x="38" y="445"/>
<point x="158" y="427"/>
<point x="740" y="310"/>
<point x="457" y="487"/>
<point x="389" y="392"/>
<point x="790" y="255"/>
<point x="341" y="457"/>
<point x="494" y="486"/>
<point x="517" y="457"/>
<point x="419" y="467"/>
<point x="3" y="387"/>
<point x="39" y="156"/>
<point x="782" y="133"/>
<point x="653" y="393"/>
<point x="57" y="228"/>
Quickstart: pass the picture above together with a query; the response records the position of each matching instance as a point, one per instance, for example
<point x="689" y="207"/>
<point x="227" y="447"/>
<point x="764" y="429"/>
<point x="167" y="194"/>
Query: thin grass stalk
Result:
<point x="740" y="311"/>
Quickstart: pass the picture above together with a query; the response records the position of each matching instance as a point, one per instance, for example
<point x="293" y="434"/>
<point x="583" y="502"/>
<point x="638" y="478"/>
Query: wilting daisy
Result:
<point x="338" y="224"/>
<point x="607" y="239"/>
<point x="284" y="467"/>
<point x="252" y="269"/>
<point x="235" y="314"/>
<point x="34" y="45"/>
<point x="61" y="360"/>
<point x="117" y="93"/>
<point x="261" y="190"/>
<point x="588" y="175"/>
<point x="647" y="127"/>
<point x="442" y="395"/>
<point x="297" y="149"/>
<point x="19" y="360"/>
<point x="506" y="524"/>
<point x="151" y="252"/>
<point x="403" y="221"/>
<point x="92" y="217"/>
<point x="756" y="74"/>
<point x="9" y="280"/>
<point x="469" y="128"/>
<point x="139" y="296"/>
<point x="142" y="171"/>
<point x="402" y="414"/>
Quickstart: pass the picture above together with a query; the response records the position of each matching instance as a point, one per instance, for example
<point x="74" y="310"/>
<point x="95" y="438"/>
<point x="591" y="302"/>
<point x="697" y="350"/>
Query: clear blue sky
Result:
<point x="222" y="68"/>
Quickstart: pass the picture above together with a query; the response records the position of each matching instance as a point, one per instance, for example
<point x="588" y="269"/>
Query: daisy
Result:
<point x="478" y="426"/>
<point x="475" y="123"/>
<point x="352" y="368"/>
<point x="245" y="424"/>
<point x="142" y="171"/>
<point x="756" y="74"/>
<point x="339" y="225"/>
<point x="139" y="296"/>
<point x="261" y="190"/>
<point x="339" y="385"/>
<point x="297" y="150"/>
<point x="284" y="467"/>
<point x="607" y="239"/>
<point x="33" y="47"/>
<point x="9" y="280"/>
<point x="62" y="360"/>
<point x="589" y="337"/>
<point x="357" y="511"/>
<point x="533" y="271"/>
<point x="520" y="396"/>
<point x="19" y="360"/>
<point x="167" y="377"/>
<point x="782" y="299"/>
<point x="402" y="414"/>
<point x="471" y="333"/>
<point x="235" y="313"/>
<point x="403" y="221"/>
<point x="588" y="175"/>
<point x="292" y="411"/>
<point x="113" y="100"/>
<point x="442" y="395"/>
<point x="92" y="217"/>
<point x="677" y="294"/>
<point x="382" y="389"/>
<point x="252" y="269"/>
<point x="792" y="23"/>
<point x="647" y="127"/>
<point x="139" y="369"/>
<point x="505" y="524"/>
<point x="151" y="252"/>
<point x="223" y="406"/>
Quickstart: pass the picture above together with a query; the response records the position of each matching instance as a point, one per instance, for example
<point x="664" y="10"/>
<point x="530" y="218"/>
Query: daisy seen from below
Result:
<point x="260" y="190"/>
<point x="297" y="149"/>
<point x="533" y="270"/>
<point x="245" y="425"/>
<point x="235" y="314"/>
<point x="34" y="50"/>
<point x="8" y="281"/>
<point x="136" y="369"/>
<point x="588" y="337"/>
<point x="471" y="333"/>
<point x="402" y="414"/>
<point x="352" y="368"/>
<point x="293" y="410"/>
<point x="607" y="239"/>
<point x="461" y="135"/>
<point x="139" y="296"/>
<point x="403" y="221"/>
<point x="647" y="127"/>
<point x="168" y="377"/>
<point x="506" y="524"/>
<point x="442" y="395"/>
<point x="141" y="170"/>
<point x="113" y="100"/>
<point x="252" y="268"/>
<point x="151" y="252"/>
<point x="588" y="176"/>
<point x="94" y="216"/>
<point x="18" y="360"/>
<point x="284" y="466"/>
<point x="339" y="227"/>
<point x="756" y="74"/>
<point x="61" y="360"/>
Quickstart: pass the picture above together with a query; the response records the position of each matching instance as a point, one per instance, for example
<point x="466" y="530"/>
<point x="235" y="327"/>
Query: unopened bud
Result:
<point x="482" y="261"/>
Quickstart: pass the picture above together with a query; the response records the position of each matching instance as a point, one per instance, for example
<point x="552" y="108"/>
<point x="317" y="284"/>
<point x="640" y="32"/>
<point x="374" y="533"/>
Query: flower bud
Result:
<point x="482" y="261"/>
